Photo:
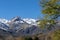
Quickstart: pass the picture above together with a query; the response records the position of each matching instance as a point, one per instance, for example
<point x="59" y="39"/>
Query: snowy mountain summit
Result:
<point x="19" y="26"/>
<point x="18" y="19"/>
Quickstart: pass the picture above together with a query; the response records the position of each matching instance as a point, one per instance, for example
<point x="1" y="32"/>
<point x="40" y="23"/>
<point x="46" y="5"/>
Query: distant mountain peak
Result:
<point x="21" y="26"/>
<point x="30" y="21"/>
<point x="17" y="18"/>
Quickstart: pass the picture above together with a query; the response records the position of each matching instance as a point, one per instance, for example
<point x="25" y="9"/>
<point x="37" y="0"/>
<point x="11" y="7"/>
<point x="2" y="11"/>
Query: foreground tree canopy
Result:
<point x="50" y="10"/>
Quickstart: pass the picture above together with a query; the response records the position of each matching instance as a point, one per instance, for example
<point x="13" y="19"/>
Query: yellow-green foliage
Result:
<point x="43" y="23"/>
<point x="51" y="7"/>
<point x="51" y="10"/>
<point x="56" y="35"/>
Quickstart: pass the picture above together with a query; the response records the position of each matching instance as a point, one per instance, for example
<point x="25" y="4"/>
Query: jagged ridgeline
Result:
<point x="21" y="29"/>
<point x="18" y="27"/>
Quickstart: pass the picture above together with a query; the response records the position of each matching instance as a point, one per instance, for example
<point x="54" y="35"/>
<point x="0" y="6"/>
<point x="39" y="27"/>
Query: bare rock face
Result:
<point x="9" y="38"/>
<point x="16" y="28"/>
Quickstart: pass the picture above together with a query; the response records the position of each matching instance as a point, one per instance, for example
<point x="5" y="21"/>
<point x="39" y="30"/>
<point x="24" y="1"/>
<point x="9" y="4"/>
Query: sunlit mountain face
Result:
<point x="22" y="27"/>
<point x="18" y="26"/>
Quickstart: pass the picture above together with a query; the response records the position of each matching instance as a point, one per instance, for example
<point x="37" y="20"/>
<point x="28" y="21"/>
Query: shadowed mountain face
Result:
<point x="21" y="27"/>
<point x="18" y="27"/>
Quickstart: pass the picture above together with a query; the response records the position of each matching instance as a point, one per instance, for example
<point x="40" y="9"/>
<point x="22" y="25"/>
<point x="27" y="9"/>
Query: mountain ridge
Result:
<point x="23" y="27"/>
<point x="18" y="26"/>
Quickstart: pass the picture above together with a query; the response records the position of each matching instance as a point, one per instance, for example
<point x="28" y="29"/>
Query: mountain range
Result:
<point x="20" y="27"/>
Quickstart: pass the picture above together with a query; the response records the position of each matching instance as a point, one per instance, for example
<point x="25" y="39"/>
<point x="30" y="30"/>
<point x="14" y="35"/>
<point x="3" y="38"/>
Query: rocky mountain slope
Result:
<point x="18" y="27"/>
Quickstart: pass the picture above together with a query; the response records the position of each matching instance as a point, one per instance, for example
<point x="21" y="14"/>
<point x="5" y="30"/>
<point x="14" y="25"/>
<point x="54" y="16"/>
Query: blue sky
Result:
<point x="22" y="8"/>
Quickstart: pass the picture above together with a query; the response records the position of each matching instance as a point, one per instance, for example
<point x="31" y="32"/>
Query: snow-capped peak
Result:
<point x="30" y="21"/>
<point x="19" y="20"/>
<point x="3" y="20"/>
<point x="16" y="19"/>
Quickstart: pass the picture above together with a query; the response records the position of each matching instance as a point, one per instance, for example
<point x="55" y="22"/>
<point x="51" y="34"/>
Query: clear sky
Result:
<point x="22" y="8"/>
